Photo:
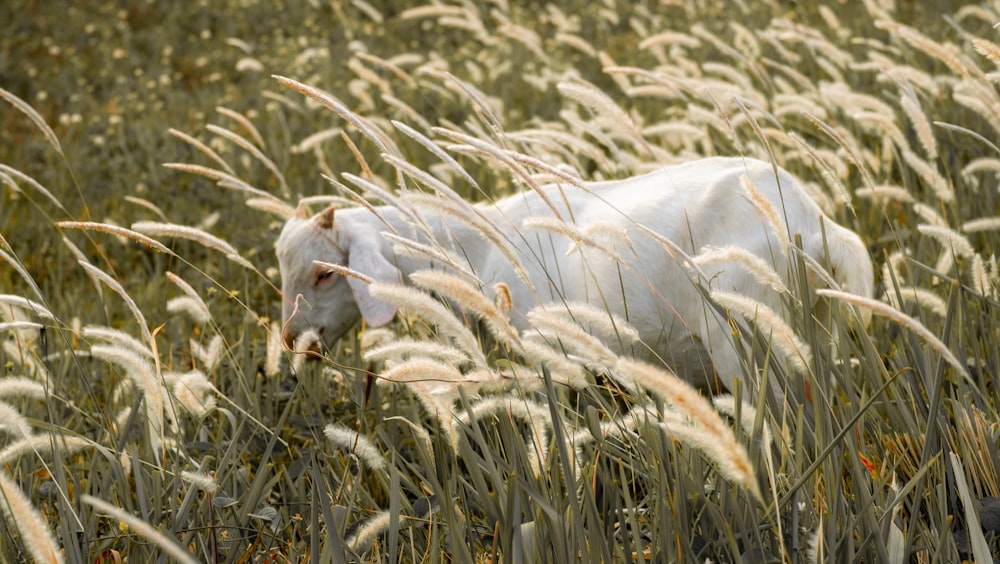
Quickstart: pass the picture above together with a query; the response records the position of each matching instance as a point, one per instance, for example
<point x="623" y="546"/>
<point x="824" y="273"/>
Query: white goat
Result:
<point x="696" y="205"/>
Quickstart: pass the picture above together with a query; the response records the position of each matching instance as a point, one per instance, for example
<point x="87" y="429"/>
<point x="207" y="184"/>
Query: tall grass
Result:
<point x="147" y="408"/>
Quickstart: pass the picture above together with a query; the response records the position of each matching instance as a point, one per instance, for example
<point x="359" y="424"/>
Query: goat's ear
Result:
<point x="366" y="258"/>
<point x="325" y="218"/>
<point x="300" y="211"/>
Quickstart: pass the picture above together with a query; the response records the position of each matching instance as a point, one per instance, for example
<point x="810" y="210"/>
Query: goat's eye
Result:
<point x="323" y="275"/>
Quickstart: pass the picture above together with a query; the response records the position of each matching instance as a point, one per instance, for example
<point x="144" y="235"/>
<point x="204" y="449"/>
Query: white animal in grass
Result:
<point x="697" y="205"/>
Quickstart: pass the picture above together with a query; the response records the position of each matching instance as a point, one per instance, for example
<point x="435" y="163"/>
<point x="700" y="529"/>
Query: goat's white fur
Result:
<point x="696" y="205"/>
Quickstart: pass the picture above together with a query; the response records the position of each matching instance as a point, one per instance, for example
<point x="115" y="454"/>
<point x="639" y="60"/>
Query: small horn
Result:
<point x="325" y="218"/>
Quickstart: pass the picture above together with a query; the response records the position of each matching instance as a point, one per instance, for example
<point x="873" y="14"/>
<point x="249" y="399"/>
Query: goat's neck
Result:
<point x="427" y="227"/>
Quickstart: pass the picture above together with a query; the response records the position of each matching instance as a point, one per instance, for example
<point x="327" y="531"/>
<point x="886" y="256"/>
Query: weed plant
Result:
<point x="149" y="153"/>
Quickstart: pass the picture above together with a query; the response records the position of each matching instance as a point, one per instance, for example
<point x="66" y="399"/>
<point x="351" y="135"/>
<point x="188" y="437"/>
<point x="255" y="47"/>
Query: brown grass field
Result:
<point x="151" y="151"/>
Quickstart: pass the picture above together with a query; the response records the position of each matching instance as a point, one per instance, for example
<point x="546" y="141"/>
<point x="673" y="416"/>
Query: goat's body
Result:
<point x="693" y="205"/>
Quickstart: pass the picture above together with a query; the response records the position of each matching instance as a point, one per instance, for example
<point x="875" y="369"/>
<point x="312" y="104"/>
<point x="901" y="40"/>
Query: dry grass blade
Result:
<point x="427" y="371"/>
<point x="607" y="324"/>
<point x="344" y="271"/>
<point x="920" y="296"/>
<point x="402" y="349"/>
<point x="16" y="265"/>
<point x="41" y="445"/>
<point x="13" y="423"/>
<point x="201" y="480"/>
<point x="187" y="289"/>
<point x="501" y="155"/>
<point x="966" y="131"/>
<point x="437" y="151"/>
<point x="607" y="111"/>
<point x="949" y="238"/>
<point x="476" y="220"/>
<point x="920" y="124"/>
<point x="117" y="337"/>
<point x="373" y="133"/>
<point x="762" y="271"/>
<point x="273" y="206"/>
<point x="536" y="416"/>
<point x="370" y="531"/>
<point x="980" y="548"/>
<point x="558" y="327"/>
<point x="430" y="181"/>
<point x="482" y="105"/>
<point x="316" y="139"/>
<point x="169" y="545"/>
<point x="20" y="326"/>
<point x="34" y="116"/>
<point x="253" y="150"/>
<point x="145" y="378"/>
<point x="203" y="148"/>
<point x="245" y="123"/>
<point x="357" y="444"/>
<point x="20" y="386"/>
<point x="221" y="178"/>
<point x="402" y="245"/>
<point x="571" y="232"/>
<point x="981" y="224"/>
<point x="7" y="172"/>
<point x="765" y="209"/>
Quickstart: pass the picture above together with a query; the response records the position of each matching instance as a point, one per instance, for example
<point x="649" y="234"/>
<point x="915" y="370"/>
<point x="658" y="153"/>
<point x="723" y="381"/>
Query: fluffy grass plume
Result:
<point x="157" y="229"/>
<point x="145" y="379"/>
<point x="468" y="297"/>
<point x="709" y="433"/>
<point x="431" y="311"/>
<point x="756" y="266"/>
<point x="797" y="353"/>
<point x="353" y="442"/>
<point x="201" y="480"/>
<point x="35" y="533"/>
<point x="117" y="231"/>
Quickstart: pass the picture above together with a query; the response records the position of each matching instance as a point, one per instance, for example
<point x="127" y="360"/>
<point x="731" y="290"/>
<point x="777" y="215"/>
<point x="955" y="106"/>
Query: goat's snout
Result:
<point x="311" y="340"/>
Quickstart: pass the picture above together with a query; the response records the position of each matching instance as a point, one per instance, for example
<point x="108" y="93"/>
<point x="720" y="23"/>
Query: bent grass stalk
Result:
<point x="883" y="310"/>
<point x="170" y="546"/>
<point x="432" y="311"/>
<point x="116" y="287"/>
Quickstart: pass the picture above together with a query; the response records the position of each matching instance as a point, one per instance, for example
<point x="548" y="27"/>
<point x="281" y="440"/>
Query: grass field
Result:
<point x="148" y="158"/>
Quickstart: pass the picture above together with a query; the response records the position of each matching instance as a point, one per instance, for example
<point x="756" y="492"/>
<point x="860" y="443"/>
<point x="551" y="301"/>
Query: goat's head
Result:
<point x="313" y="296"/>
